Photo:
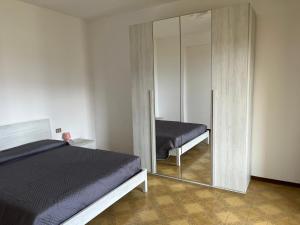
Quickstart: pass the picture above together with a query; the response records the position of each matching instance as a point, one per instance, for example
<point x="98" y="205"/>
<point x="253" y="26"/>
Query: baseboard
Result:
<point x="286" y="183"/>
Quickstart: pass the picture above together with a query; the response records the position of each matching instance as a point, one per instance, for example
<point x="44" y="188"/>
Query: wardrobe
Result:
<point x="232" y="65"/>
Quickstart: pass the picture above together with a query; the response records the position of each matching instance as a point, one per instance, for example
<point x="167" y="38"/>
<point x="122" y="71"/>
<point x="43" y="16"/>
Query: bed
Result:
<point x="176" y="138"/>
<point x="50" y="182"/>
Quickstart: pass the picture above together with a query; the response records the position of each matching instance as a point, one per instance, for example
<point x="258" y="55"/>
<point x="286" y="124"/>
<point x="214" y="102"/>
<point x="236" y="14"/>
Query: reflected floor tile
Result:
<point x="195" y="165"/>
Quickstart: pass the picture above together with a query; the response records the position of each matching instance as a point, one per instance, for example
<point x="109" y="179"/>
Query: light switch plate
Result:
<point x="58" y="130"/>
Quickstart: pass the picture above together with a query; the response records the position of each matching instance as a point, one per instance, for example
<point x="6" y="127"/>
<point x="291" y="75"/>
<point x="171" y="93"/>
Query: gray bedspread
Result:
<point x="47" y="185"/>
<point x="172" y="134"/>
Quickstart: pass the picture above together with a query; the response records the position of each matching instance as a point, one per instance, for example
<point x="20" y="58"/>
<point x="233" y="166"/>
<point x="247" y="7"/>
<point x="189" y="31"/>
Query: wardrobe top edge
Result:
<point x="193" y="12"/>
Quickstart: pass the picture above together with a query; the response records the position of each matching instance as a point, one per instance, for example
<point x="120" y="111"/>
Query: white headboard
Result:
<point x="13" y="135"/>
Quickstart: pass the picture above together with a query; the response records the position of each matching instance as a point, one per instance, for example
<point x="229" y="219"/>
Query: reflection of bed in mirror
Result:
<point x="182" y="97"/>
<point x="176" y="138"/>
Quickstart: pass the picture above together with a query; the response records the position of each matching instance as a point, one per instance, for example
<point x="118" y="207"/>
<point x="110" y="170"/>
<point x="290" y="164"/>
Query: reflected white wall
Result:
<point x="167" y="69"/>
<point x="196" y="68"/>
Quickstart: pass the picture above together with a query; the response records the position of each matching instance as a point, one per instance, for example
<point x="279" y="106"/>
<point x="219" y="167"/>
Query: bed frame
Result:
<point x="93" y="210"/>
<point x="189" y="145"/>
<point x="13" y="135"/>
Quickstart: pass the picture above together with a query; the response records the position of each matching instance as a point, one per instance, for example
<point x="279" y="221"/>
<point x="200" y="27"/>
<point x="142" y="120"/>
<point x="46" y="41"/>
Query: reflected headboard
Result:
<point x="13" y="135"/>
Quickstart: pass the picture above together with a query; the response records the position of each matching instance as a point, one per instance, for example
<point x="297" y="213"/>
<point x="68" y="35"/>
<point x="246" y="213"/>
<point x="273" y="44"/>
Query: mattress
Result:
<point x="48" y="182"/>
<point x="172" y="134"/>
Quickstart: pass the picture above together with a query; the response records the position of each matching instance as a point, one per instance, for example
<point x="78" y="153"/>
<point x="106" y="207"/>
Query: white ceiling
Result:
<point x="89" y="9"/>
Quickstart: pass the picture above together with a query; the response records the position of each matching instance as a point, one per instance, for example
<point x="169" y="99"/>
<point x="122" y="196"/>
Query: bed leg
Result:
<point x="207" y="139"/>
<point x="145" y="186"/>
<point x="178" y="157"/>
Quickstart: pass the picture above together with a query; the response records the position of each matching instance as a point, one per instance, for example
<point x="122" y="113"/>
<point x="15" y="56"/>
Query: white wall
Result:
<point x="109" y="54"/>
<point x="43" y="69"/>
<point x="166" y="35"/>
<point x="196" y="66"/>
<point x="197" y="84"/>
<point x="276" y="122"/>
<point x="167" y="78"/>
<point x="276" y="130"/>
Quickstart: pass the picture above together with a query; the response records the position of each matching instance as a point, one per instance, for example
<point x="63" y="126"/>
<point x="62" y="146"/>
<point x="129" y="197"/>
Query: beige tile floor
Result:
<point x="195" y="165"/>
<point x="170" y="202"/>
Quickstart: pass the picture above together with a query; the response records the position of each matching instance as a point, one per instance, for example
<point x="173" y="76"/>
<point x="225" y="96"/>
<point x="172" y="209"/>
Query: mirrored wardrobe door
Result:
<point x="196" y="116"/>
<point x="166" y="37"/>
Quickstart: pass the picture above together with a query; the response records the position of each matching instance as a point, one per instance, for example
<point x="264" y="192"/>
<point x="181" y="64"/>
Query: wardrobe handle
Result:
<point x="152" y="131"/>
<point x="212" y="109"/>
<point x="212" y="135"/>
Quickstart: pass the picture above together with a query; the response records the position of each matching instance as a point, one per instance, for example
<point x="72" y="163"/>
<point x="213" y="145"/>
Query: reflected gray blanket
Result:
<point x="48" y="182"/>
<point x="172" y="134"/>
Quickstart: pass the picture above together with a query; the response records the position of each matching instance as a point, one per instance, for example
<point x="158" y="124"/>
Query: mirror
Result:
<point x="166" y="36"/>
<point x="196" y="93"/>
<point x="182" y="75"/>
